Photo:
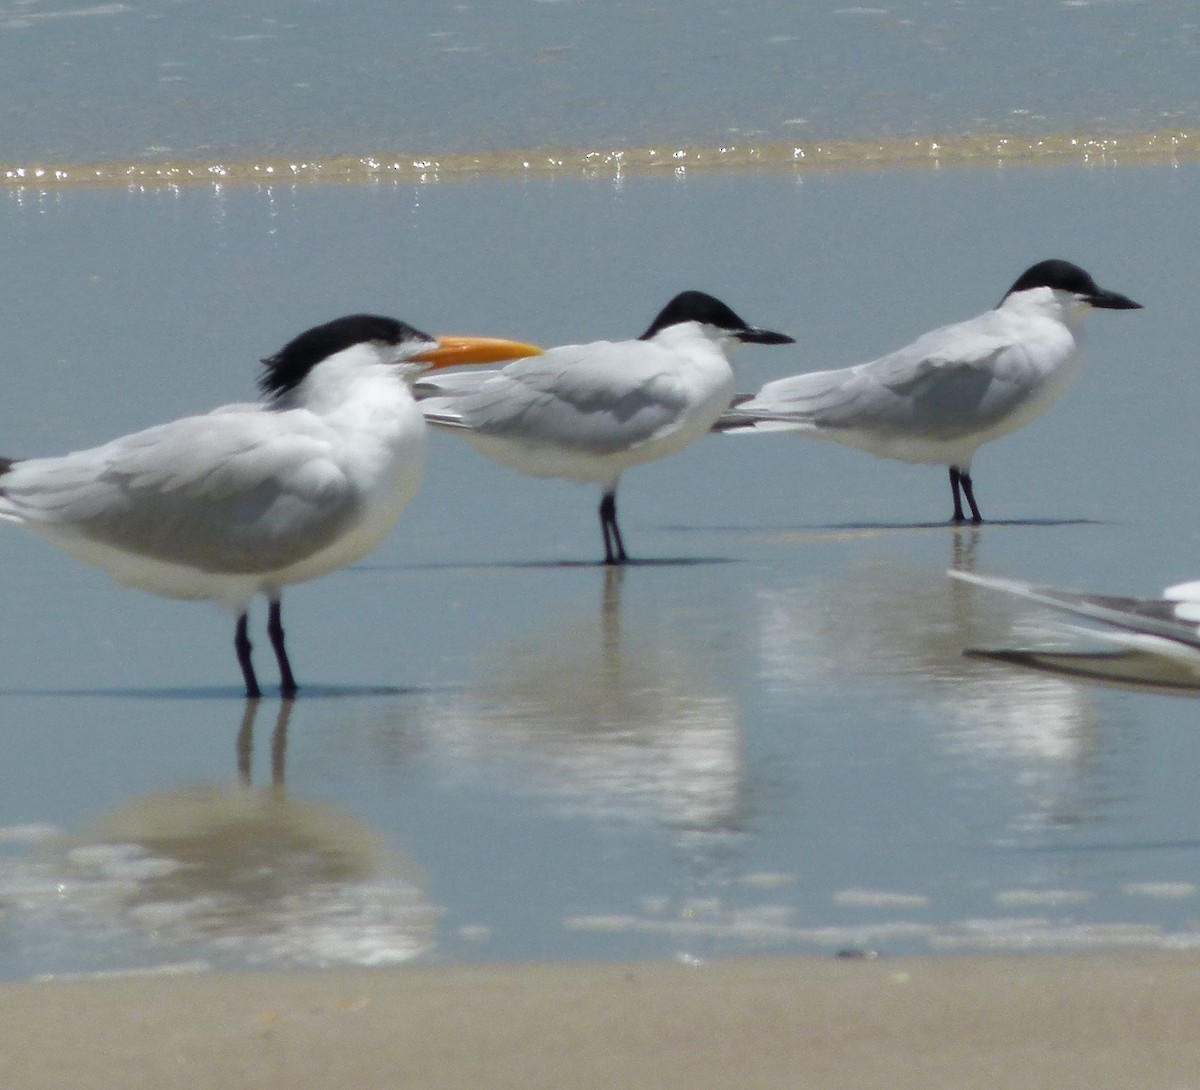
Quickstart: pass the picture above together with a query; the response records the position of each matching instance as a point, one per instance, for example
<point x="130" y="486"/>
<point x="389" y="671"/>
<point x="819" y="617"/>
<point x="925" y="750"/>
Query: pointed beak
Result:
<point x="1112" y="300"/>
<point x="763" y="336"/>
<point x="453" y="351"/>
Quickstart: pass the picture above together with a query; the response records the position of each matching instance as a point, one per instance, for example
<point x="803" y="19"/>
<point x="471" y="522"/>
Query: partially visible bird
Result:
<point x="587" y="412"/>
<point x="1167" y="627"/>
<point x="253" y="497"/>
<point x="938" y="400"/>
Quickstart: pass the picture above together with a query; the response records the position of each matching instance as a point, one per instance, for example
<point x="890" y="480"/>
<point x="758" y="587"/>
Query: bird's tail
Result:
<point x="1149" y="616"/>
<point x="440" y="413"/>
<point x="739" y="419"/>
<point x="7" y="512"/>
<point x="449" y="384"/>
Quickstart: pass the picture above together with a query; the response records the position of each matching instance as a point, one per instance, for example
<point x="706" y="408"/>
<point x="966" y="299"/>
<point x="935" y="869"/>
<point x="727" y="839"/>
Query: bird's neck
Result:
<point x="335" y="392"/>
<point x="1054" y="306"/>
<point x="694" y="339"/>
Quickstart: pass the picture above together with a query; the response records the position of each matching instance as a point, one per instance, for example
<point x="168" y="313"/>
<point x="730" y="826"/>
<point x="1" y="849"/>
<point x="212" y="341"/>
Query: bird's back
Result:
<point x="937" y="399"/>
<point x="233" y="492"/>
<point x="556" y="414"/>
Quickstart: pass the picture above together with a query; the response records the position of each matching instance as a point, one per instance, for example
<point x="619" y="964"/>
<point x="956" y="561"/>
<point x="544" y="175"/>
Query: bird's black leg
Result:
<point x="968" y="488"/>
<point x="958" y="511"/>
<point x="614" y="548"/>
<point x="241" y="644"/>
<point x="960" y="478"/>
<point x="287" y="681"/>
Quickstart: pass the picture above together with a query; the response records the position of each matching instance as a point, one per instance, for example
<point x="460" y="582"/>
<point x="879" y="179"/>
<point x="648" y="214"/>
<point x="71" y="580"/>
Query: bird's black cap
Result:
<point x="288" y="367"/>
<point x="697" y="306"/>
<point x="1065" y="276"/>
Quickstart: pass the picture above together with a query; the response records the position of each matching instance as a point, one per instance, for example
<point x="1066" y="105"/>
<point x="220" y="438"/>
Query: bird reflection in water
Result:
<point x="894" y="633"/>
<point x="245" y="743"/>
<point x="965" y="546"/>
<point x="239" y="875"/>
<point x="620" y="719"/>
<point x="604" y="721"/>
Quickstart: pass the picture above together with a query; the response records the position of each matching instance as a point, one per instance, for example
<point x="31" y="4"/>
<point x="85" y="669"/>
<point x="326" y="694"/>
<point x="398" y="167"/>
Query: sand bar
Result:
<point x="935" y="152"/>
<point x="1127" y="1021"/>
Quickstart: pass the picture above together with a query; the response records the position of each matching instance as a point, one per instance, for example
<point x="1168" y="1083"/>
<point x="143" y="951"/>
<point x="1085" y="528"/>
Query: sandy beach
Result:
<point x="1124" y="1021"/>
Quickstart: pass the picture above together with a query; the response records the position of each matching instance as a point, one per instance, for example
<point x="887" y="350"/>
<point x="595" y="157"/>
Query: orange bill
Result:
<point x="452" y="351"/>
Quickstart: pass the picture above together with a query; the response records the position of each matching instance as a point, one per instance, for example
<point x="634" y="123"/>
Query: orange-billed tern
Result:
<point x="250" y="498"/>
<point x="587" y="412"/>
<point x="952" y="390"/>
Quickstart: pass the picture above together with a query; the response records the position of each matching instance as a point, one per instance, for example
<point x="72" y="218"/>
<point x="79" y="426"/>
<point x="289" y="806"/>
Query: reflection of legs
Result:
<point x="962" y="478"/>
<point x="287" y="681"/>
<point x="245" y="743"/>
<point x="614" y="548"/>
<point x="279" y="743"/>
<point x="241" y="644"/>
<point x="610" y="614"/>
<point x="962" y="557"/>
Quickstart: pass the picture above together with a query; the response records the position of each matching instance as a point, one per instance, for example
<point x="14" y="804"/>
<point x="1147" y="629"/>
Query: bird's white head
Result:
<point x="714" y="318"/>
<point x="331" y="355"/>
<point x="1066" y="287"/>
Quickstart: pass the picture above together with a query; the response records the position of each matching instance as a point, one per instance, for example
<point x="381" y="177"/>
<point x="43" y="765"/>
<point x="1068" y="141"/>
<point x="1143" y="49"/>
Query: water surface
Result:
<point x="181" y="78"/>
<point x="764" y="737"/>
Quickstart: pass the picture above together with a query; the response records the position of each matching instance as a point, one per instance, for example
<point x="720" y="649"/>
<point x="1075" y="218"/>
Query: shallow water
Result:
<point x="181" y="78"/>
<point x="764" y="737"/>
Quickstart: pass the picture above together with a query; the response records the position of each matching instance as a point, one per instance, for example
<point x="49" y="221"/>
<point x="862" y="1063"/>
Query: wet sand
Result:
<point x="1124" y="1021"/>
<point x="1153" y="147"/>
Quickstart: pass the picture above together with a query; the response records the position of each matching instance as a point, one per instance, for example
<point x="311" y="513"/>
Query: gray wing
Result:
<point x="598" y="397"/>
<point x="1167" y="618"/>
<point x="952" y="380"/>
<point x="442" y="396"/>
<point x="240" y="490"/>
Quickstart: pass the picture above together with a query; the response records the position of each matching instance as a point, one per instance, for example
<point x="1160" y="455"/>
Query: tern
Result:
<point x="938" y="400"/>
<point x="587" y="412"/>
<point x="1168" y="625"/>
<point x="250" y="498"/>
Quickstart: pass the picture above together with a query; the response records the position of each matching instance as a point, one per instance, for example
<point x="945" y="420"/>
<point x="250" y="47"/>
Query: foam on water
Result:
<point x="929" y="152"/>
<point x="983" y="935"/>
<point x="311" y="897"/>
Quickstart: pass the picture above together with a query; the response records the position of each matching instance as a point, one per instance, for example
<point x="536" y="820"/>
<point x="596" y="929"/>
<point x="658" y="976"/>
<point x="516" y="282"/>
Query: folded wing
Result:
<point x="596" y="398"/>
<point x="950" y="382"/>
<point x="231" y="491"/>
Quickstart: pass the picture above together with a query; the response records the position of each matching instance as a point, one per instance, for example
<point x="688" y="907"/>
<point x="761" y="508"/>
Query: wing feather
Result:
<point x="1149" y="616"/>
<point x="951" y="381"/>
<point x="598" y="398"/>
<point x="232" y="491"/>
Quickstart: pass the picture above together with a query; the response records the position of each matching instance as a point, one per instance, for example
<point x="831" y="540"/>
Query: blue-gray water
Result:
<point x="90" y="81"/>
<point x="766" y="737"/>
